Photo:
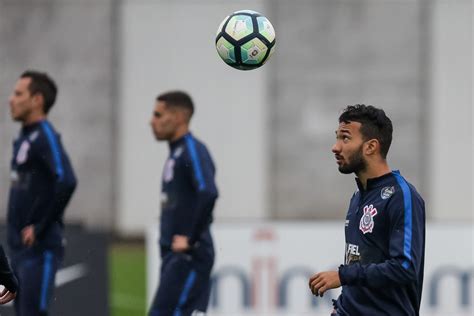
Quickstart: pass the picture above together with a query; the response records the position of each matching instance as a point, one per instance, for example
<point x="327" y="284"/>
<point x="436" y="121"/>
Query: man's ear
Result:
<point x="178" y="115"/>
<point x="184" y="116"/>
<point x="371" y="147"/>
<point x="38" y="101"/>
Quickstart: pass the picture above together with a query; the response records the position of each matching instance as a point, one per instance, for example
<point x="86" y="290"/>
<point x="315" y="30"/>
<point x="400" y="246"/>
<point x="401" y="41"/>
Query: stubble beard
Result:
<point x="356" y="163"/>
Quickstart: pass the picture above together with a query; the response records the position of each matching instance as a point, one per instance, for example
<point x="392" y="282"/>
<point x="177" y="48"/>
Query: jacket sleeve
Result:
<point x="202" y="177"/>
<point x="7" y="278"/>
<point x="406" y="245"/>
<point x="52" y="155"/>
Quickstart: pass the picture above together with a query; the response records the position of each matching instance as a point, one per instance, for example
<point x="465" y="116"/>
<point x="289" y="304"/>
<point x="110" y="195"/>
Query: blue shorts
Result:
<point x="183" y="290"/>
<point x="36" y="272"/>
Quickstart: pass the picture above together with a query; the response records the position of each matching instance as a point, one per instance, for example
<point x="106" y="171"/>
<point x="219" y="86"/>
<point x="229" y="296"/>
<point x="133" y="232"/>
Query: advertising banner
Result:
<point x="263" y="268"/>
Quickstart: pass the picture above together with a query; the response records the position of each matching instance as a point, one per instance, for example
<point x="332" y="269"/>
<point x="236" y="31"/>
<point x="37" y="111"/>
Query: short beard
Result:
<point x="356" y="163"/>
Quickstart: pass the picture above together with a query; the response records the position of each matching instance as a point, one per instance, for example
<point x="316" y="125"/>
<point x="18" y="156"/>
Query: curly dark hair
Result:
<point x="374" y="124"/>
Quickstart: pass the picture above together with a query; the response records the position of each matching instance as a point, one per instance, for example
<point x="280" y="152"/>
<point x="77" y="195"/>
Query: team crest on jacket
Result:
<point x="387" y="192"/>
<point x="367" y="220"/>
<point x="168" y="172"/>
<point x="33" y="136"/>
<point x="178" y="151"/>
<point x="22" y="154"/>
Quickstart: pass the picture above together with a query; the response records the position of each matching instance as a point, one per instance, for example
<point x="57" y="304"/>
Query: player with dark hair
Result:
<point x="42" y="183"/>
<point x="385" y="224"/>
<point x="188" y="196"/>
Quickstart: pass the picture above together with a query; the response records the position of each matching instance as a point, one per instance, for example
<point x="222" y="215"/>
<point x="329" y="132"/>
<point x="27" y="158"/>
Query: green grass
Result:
<point x="127" y="280"/>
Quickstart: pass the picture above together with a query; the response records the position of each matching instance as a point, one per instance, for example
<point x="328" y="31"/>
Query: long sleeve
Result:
<point x="52" y="155"/>
<point x="202" y="177"/>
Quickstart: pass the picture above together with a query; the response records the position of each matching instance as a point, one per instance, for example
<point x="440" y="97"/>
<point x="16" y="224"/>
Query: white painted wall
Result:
<point x="451" y="117"/>
<point x="170" y="45"/>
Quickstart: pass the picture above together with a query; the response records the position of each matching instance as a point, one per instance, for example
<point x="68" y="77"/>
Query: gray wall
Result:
<point x="71" y="40"/>
<point x="341" y="52"/>
<point x="329" y="53"/>
<point x="231" y="108"/>
<point x="451" y="144"/>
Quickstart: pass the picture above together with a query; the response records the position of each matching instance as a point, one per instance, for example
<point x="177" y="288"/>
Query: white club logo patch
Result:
<point x="387" y="192"/>
<point x="22" y="154"/>
<point x="178" y="152"/>
<point x="33" y="136"/>
<point x="168" y="173"/>
<point x="367" y="221"/>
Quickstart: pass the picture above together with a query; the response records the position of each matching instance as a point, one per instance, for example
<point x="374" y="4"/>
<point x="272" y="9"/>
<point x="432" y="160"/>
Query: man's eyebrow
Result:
<point x="341" y="131"/>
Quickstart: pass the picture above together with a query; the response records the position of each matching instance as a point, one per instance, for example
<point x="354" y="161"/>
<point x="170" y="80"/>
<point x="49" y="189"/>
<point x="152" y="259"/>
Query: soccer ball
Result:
<point x="245" y="40"/>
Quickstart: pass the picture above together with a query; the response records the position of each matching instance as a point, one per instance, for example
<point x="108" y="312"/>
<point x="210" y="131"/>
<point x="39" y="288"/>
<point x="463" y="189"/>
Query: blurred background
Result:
<point x="270" y="131"/>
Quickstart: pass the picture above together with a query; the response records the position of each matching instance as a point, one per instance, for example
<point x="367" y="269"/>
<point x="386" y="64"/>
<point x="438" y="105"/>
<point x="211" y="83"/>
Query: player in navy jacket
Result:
<point x="187" y="200"/>
<point x="385" y="225"/>
<point x="42" y="183"/>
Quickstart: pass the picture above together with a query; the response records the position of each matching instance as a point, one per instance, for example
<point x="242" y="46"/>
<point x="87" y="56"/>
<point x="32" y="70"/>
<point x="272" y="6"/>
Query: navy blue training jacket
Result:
<point x="385" y="249"/>
<point x="42" y="183"/>
<point x="188" y="196"/>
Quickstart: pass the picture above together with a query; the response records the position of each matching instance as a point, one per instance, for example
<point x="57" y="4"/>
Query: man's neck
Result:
<point x="180" y="132"/>
<point x="373" y="171"/>
<point x="33" y="119"/>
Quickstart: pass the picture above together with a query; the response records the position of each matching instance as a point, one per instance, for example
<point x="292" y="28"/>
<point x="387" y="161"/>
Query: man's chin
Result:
<point x="160" y="137"/>
<point x="345" y="170"/>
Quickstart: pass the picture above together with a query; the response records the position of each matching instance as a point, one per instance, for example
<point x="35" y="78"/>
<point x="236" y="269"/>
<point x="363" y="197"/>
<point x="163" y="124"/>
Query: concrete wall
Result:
<point x="170" y="45"/>
<point x="450" y="112"/>
<point x="72" y="40"/>
<point x="340" y="53"/>
<point x="270" y="130"/>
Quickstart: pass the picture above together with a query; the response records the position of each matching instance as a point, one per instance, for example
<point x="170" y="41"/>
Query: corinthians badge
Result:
<point x="367" y="221"/>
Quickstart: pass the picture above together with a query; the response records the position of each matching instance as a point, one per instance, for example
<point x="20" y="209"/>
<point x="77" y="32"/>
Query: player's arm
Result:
<point x="202" y="176"/>
<point x="7" y="279"/>
<point x="50" y="152"/>
<point x="407" y="217"/>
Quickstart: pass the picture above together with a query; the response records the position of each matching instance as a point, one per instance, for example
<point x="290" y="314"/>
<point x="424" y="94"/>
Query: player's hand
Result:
<point x="323" y="281"/>
<point x="6" y="296"/>
<point x="28" y="235"/>
<point x="180" y="243"/>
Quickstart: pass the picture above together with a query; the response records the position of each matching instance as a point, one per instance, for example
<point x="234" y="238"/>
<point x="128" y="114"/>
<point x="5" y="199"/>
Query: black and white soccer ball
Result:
<point x="245" y="40"/>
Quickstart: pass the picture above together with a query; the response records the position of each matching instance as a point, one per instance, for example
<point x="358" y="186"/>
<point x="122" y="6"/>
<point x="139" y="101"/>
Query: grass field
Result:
<point x="127" y="280"/>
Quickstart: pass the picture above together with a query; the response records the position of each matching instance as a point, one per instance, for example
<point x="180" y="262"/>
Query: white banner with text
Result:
<point x="263" y="268"/>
